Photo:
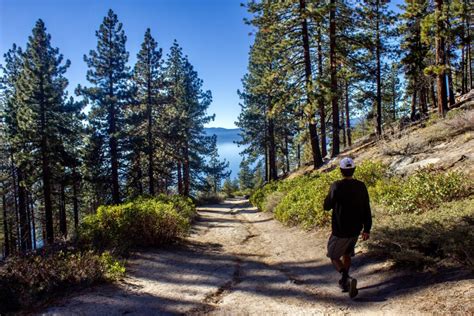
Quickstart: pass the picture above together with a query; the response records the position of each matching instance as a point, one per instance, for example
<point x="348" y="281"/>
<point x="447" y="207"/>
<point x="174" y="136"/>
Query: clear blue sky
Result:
<point x="211" y="32"/>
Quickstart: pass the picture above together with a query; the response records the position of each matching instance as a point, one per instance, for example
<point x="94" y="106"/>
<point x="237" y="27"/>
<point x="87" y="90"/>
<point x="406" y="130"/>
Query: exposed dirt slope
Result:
<point x="240" y="261"/>
<point x="444" y="144"/>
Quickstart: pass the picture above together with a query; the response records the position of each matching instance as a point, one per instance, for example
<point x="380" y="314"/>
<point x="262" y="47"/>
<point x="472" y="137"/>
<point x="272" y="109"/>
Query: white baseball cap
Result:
<point x="347" y="163"/>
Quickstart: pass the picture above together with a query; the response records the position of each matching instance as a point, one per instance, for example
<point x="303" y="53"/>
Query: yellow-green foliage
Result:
<point x="303" y="196"/>
<point x="425" y="238"/>
<point x="25" y="280"/>
<point x="302" y="203"/>
<point x="140" y="223"/>
<point x="421" y="191"/>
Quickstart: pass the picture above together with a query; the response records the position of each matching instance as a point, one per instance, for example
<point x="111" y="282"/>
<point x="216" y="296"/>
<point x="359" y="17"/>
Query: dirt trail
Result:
<point x="240" y="261"/>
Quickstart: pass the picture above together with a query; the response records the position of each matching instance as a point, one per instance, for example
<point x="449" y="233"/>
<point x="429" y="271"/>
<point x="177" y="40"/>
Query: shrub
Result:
<point x="209" y="198"/>
<point x="299" y="201"/>
<point x="421" y="191"/>
<point x="25" y="280"/>
<point x="140" y="223"/>
<point x="420" y="240"/>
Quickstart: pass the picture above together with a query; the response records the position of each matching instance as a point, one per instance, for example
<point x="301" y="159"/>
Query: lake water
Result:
<point x="226" y="147"/>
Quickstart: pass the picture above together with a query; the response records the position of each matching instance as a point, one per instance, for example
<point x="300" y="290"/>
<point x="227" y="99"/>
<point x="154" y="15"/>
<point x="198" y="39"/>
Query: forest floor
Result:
<point x="241" y="261"/>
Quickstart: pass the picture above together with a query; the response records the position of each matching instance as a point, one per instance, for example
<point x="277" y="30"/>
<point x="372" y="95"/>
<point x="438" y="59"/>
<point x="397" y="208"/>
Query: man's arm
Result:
<point x="329" y="200"/>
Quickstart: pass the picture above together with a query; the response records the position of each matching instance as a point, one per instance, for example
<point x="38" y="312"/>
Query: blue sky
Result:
<point x="211" y="32"/>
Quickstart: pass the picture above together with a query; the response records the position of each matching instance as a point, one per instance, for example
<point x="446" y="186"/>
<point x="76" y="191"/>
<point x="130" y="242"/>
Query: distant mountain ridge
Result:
<point x="224" y="135"/>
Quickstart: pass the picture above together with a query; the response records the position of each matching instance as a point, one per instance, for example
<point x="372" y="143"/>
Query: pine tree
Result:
<point x="246" y="176"/>
<point x="186" y="115"/>
<point x="12" y="140"/>
<point x="40" y="90"/>
<point x="148" y="78"/>
<point x="216" y="169"/>
<point x="108" y="73"/>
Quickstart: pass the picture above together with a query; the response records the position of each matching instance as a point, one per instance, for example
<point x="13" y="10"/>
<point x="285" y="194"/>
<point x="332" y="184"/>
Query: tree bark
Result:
<point x="322" y="110"/>
<point x="334" y="101"/>
<point x="423" y="105"/>
<point x="62" y="212"/>
<point x="348" y="119"/>
<point x="413" y="104"/>
<point x="75" y="200"/>
<point x="6" y="238"/>
<point x="441" y="62"/>
<point x="313" y="131"/>
<point x="180" y="179"/>
<point x="46" y="172"/>
<point x="343" y="128"/>
<point x="33" y="221"/>
<point x="25" y="234"/>
<point x="468" y="52"/>
<point x="433" y="94"/>
<point x="450" y="76"/>
<point x="186" y="171"/>
<point x="379" y="86"/>
<point x="271" y="150"/>
<point x="151" y="180"/>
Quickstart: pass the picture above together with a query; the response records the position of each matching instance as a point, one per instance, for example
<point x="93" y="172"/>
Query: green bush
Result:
<point x="26" y="280"/>
<point x="421" y="191"/>
<point x="426" y="238"/>
<point x="140" y="223"/>
<point x="299" y="201"/>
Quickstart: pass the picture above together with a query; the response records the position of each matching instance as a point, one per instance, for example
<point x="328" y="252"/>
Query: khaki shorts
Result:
<point x="338" y="247"/>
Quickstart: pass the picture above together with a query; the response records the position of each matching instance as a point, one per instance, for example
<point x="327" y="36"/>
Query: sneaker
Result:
<point x="344" y="284"/>
<point x="353" y="291"/>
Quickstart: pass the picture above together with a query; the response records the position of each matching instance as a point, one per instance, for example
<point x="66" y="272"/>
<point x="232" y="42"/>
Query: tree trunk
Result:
<point x="433" y="94"/>
<point x="348" y="120"/>
<point x="114" y="156"/>
<point x="46" y="172"/>
<point x="468" y="52"/>
<point x="463" y="70"/>
<point x="6" y="238"/>
<point x="394" y="100"/>
<point x="287" y="154"/>
<point x="75" y="199"/>
<point x="271" y="151"/>
<point x="413" y="104"/>
<point x="25" y="234"/>
<point x="313" y="131"/>
<point x="379" y="86"/>
<point x="450" y="76"/>
<point x="441" y="61"/>
<point x="180" y="179"/>
<point x="62" y="212"/>
<point x="151" y="180"/>
<point x="332" y="57"/>
<point x="298" y="155"/>
<point x="186" y="171"/>
<point x="343" y="128"/>
<point x="322" y="110"/>
<point x="423" y="106"/>
<point x="33" y="221"/>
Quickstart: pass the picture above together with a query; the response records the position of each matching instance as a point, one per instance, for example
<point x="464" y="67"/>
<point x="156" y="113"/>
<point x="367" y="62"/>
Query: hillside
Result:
<point x="442" y="144"/>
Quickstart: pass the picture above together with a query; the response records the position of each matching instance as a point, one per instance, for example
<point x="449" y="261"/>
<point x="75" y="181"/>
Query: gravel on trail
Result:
<point x="238" y="261"/>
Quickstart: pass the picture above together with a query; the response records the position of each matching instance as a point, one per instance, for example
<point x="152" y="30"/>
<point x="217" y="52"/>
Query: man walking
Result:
<point x="349" y="200"/>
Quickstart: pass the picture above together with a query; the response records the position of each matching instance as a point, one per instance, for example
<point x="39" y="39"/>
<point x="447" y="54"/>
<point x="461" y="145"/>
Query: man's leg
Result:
<point x="339" y="265"/>
<point x="346" y="262"/>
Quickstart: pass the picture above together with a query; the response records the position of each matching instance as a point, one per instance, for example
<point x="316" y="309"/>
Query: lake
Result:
<point x="226" y="147"/>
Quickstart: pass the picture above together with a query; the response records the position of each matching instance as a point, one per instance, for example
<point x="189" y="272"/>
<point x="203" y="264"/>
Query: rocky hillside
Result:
<point x="441" y="144"/>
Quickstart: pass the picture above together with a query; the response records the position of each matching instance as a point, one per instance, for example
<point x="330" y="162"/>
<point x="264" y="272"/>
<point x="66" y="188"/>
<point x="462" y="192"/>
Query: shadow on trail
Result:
<point x="206" y="266"/>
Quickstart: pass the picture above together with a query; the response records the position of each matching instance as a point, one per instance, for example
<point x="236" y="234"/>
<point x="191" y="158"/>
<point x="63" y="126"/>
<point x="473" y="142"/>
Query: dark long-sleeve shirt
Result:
<point x="349" y="200"/>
